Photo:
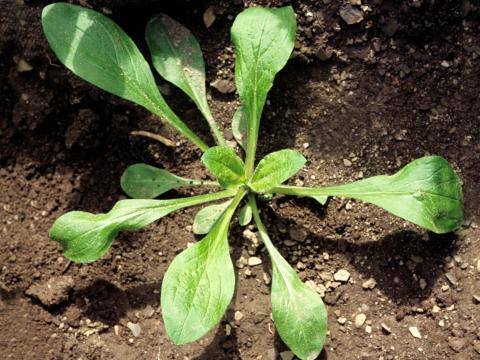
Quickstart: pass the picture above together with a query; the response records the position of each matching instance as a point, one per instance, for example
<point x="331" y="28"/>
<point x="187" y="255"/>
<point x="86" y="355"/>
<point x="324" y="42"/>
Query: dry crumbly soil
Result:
<point x="357" y="100"/>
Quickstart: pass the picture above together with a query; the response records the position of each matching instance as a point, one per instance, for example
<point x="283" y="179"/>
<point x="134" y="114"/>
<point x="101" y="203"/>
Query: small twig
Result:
<point x="153" y="136"/>
<point x="65" y="269"/>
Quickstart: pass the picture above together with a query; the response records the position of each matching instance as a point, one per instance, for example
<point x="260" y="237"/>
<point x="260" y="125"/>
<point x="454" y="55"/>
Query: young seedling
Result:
<point x="199" y="284"/>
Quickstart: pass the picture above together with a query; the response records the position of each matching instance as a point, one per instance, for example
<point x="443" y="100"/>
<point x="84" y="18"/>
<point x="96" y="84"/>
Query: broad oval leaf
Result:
<point x="199" y="284"/>
<point x="240" y="127"/>
<point x="86" y="237"/>
<point x="264" y="39"/>
<point x="177" y="57"/>
<point x="142" y="181"/>
<point x="275" y="168"/>
<point x="207" y="217"/>
<point x="225" y="165"/>
<point x="95" y="48"/>
<point x="245" y="216"/>
<point x="426" y="192"/>
<point x="298" y="312"/>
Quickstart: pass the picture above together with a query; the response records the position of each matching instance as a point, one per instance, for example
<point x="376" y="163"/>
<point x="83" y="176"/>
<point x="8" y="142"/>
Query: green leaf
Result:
<point x="177" y="57"/>
<point x="320" y="198"/>
<point x="426" y="192"/>
<point x="95" y="48"/>
<point x="298" y="312"/>
<point x="240" y="127"/>
<point x="199" y="284"/>
<point x="86" y="237"/>
<point x="207" y="217"/>
<point x="275" y="168"/>
<point x="142" y="181"/>
<point x="225" y="165"/>
<point x="264" y="39"/>
<point x="245" y="216"/>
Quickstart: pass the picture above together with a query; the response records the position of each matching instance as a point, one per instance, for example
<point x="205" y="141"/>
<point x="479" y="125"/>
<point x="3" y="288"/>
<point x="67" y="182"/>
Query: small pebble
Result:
<point x="341" y="320"/>
<point x="368" y="329"/>
<point x="451" y="279"/>
<point x="415" y="332"/>
<point x="386" y="328"/>
<point x="134" y="328"/>
<point x="351" y="15"/>
<point x="341" y="275"/>
<point x="422" y="284"/>
<point x="360" y="320"/>
<point x="238" y="316"/>
<point x="254" y="261"/>
<point x="369" y="284"/>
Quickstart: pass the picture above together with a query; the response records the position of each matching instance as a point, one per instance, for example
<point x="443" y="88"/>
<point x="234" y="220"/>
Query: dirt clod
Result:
<point x="53" y="291"/>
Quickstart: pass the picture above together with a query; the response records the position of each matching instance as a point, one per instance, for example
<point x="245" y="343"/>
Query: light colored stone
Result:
<point x="368" y="329"/>
<point x="134" y="328"/>
<point x="254" y="261"/>
<point x="422" y="283"/>
<point x="341" y="320"/>
<point x="351" y="15"/>
<point x="360" y="320"/>
<point x="238" y="316"/>
<point x="341" y="275"/>
<point x="386" y="328"/>
<point x="369" y="284"/>
<point x="415" y="332"/>
<point x="241" y="262"/>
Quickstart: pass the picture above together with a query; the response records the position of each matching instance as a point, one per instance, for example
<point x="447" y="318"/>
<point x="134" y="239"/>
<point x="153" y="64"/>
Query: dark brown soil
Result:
<point x="402" y="83"/>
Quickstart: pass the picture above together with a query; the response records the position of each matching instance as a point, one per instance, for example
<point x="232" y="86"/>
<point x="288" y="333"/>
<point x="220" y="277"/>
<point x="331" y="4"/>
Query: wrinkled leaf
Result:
<point x="142" y="181"/>
<point x="95" y="48"/>
<point x="426" y="192"/>
<point x="245" y="216"/>
<point x="199" y="284"/>
<point x="86" y="237"/>
<point x="240" y="127"/>
<point x="177" y="57"/>
<point x="207" y="217"/>
<point x="225" y="165"/>
<point x="275" y="168"/>
<point x="298" y="312"/>
<point x="263" y="39"/>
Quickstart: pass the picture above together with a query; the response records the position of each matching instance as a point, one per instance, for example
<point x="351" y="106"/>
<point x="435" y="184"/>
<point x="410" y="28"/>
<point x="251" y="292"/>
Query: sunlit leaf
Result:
<point x="95" y="48"/>
<point x="225" y="165"/>
<point x="275" y="168"/>
<point x="426" y="192"/>
<point x="207" y="217"/>
<point x="85" y="237"/>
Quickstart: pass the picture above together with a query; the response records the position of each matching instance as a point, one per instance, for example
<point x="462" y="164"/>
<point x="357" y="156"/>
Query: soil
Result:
<point x="357" y="100"/>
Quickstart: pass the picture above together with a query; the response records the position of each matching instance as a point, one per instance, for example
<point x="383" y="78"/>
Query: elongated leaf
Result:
<point x="93" y="47"/>
<point x="275" y="168"/>
<point x="245" y="216"/>
<point x="225" y="165"/>
<point x="426" y="192"/>
<point x="177" y="57"/>
<point x="263" y="39"/>
<point x="142" y="181"/>
<point x="321" y="199"/>
<point x="207" y="217"/>
<point x="199" y="284"/>
<point x="298" y="312"/>
<point x="86" y="237"/>
<point x="240" y="127"/>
